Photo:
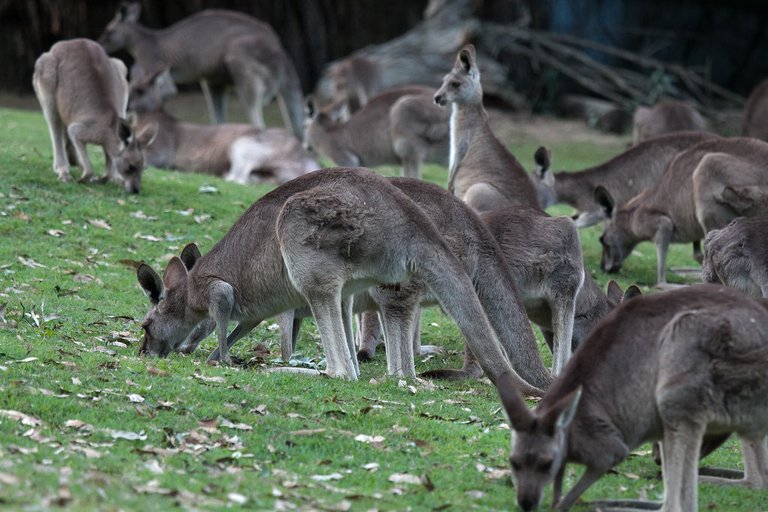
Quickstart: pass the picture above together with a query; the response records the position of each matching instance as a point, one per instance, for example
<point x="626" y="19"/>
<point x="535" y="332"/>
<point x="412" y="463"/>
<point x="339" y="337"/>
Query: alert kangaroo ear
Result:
<point x="124" y="130"/>
<point x="543" y="159"/>
<point x="175" y="274"/>
<point x="614" y="292"/>
<point x="466" y="59"/>
<point x="520" y="417"/>
<point x="150" y="282"/>
<point x="605" y="200"/>
<point x="189" y="256"/>
<point x="631" y="292"/>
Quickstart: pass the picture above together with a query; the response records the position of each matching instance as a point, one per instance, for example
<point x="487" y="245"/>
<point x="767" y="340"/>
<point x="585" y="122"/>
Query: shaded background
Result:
<point x="727" y="40"/>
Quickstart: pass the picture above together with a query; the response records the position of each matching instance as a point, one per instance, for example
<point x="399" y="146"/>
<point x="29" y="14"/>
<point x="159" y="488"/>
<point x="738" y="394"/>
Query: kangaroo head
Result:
<point x="168" y="322"/>
<point x="115" y="36"/>
<point x="149" y="93"/>
<point x="539" y="441"/>
<point x="319" y="121"/>
<point x="129" y="161"/>
<point x="462" y="84"/>
<point x="616" y="239"/>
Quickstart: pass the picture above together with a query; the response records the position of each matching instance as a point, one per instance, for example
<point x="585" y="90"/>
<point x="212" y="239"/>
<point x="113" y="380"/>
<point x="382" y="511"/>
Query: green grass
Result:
<point x="68" y="352"/>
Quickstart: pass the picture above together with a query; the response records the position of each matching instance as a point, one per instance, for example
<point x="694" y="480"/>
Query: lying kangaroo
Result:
<point x="242" y="152"/>
<point x="83" y="94"/>
<point x="482" y="172"/>
<point x="754" y="122"/>
<point x="316" y="239"/>
<point x="470" y="242"/>
<point x="669" y="212"/>
<point x="684" y="366"/>
<point x="623" y="176"/>
<point x="666" y="116"/>
<point x="216" y="48"/>
<point x="400" y="126"/>
<point x="737" y="256"/>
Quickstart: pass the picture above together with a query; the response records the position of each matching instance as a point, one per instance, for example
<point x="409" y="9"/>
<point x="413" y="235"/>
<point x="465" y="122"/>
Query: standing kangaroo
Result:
<point x="737" y="255"/>
<point x="482" y="172"/>
<point x="671" y="213"/>
<point x="217" y="48"/>
<point x="83" y="94"/>
<point x="666" y="116"/>
<point x="468" y="240"/>
<point x="400" y="126"/>
<point x="624" y="176"/>
<point x="316" y="239"/>
<point x="754" y="121"/>
<point x="242" y="152"/>
<point x="698" y="361"/>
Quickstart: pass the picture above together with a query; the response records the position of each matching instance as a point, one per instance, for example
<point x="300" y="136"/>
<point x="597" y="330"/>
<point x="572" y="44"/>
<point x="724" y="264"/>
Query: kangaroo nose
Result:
<point x="439" y="100"/>
<point x="526" y="504"/>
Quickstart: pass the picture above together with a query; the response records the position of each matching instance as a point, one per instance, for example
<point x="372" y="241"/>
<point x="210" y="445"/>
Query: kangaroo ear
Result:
<point x="163" y="83"/>
<point x="605" y="200"/>
<point x="124" y="130"/>
<point x="466" y="59"/>
<point x="631" y="292"/>
<point x="146" y="136"/>
<point x="175" y="274"/>
<point x="614" y="292"/>
<point x="189" y="256"/>
<point x="520" y="417"/>
<point x="129" y="12"/>
<point x="150" y="282"/>
<point x="561" y="414"/>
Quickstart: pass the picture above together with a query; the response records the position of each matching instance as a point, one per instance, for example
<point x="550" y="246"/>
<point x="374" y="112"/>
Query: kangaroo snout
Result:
<point x="440" y="100"/>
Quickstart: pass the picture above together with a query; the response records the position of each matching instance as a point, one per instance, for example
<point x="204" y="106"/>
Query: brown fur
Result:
<point x="755" y="119"/>
<point x="737" y="256"/>
<point x="666" y="116"/>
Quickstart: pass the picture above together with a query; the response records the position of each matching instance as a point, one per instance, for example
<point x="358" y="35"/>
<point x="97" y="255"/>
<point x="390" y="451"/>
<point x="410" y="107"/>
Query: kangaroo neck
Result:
<point x="467" y="120"/>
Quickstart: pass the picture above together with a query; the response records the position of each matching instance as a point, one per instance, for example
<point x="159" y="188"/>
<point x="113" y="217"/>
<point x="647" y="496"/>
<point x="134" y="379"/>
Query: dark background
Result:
<point x="727" y="40"/>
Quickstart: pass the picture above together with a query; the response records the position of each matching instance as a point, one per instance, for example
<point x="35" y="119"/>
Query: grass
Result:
<point x="103" y="429"/>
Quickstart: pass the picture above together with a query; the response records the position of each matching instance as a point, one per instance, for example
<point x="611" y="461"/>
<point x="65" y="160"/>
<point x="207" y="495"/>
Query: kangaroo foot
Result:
<point x="725" y="476"/>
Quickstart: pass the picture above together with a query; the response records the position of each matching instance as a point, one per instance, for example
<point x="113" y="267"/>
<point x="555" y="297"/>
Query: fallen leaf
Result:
<point x="137" y="399"/>
<point x="371" y="466"/>
<point x="25" y="360"/>
<point x="236" y="498"/>
<point x="56" y="233"/>
<point x="327" y="478"/>
<point x="129" y="436"/>
<point x="404" y="478"/>
<point x="148" y="238"/>
<point x="100" y="223"/>
<point x="29" y="262"/>
<point x="157" y="372"/>
<point x="78" y="424"/>
<point x="369" y="439"/>
<point x="199" y="219"/>
<point x="237" y="426"/>
<point x="142" y="216"/>
<point x="208" y="189"/>
<point x="25" y="419"/>
<point x="203" y="378"/>
<point x="152" y="487"/>
<point x="7" y="479"/>
<point x="308" y="432"/>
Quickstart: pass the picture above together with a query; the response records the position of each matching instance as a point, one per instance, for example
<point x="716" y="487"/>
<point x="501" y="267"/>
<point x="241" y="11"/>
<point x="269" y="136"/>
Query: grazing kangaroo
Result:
<point x="482" y="172"/>
<point x="242" y="152"/>
<point x="754" y="122"/>
<point x="217" y="48"/>
<point x="699" y="361"/>
<point x="668" y="212"/>
<point x="468" y="240"/>
<point x="666" y="116"/>
<point x="315" y="240"/>
<point x="737" y="256"/>
<point x="400" y="126"/>
<point x="83" y="94"/>
<point x="624" y="176"/>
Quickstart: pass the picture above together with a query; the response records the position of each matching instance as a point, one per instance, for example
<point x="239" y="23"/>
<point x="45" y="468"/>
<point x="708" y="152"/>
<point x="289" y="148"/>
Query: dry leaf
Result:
<point x="157" y="372"/>
<point x="327" y="478"/>
<point x="237" y="426"/>
<point x="371" y="466"/>
<point x="7" y="479"/>
<point x="129" y="436"/>
<point x="55" y="233"/>
<point x="369" y="439"/>
<point x="137" y="399"/>
<point x="25" y="419"/>
<point x="29" y="262"/>
<point x="236" y="498"/>
<point x="148" y="238"/>
<point x="203" y="378"/>
<point x="404" y="478"/>
<point x="100" y="223"/>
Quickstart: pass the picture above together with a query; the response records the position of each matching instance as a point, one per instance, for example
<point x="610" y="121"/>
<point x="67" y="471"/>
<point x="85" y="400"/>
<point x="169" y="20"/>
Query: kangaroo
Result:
<point x="699" y="361"/>
<point x="737" y="256"/>
<point x="242" y="152"/>
<point x="216" y="48"/>
<point x="668" y="212"/>
<point x="754" y="123"/>
<point x="482" y="172"/>
<point x="481" y="258"/>
<point x="666" y="116"/>
<point x="623" y="176"/>
<point x="83" y="94"/>
<point x="314" y="240"/>
<point x="400" y="126"/>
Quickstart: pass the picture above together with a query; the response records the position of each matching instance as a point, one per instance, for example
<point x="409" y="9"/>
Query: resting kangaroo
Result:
<point x="670" y="212"/>
<point x="468" y="240"/>
<point x="754" y="121"/>
<point x="624" y="176"/>
<point x="666" y="116"/>
<point x="216" y="48"/>
<point x="699" y="370"/>
<point x="83" y="94"/>
<point x="316" y="239"/>
<point x="400" y="126"/>
<point x="482" y="172"/>
<point x="242" y="152"/>
<point x="737" y="255"/>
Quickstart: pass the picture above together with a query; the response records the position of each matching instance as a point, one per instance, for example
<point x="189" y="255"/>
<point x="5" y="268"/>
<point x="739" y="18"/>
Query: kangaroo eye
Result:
<point x="455" y="85"/>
